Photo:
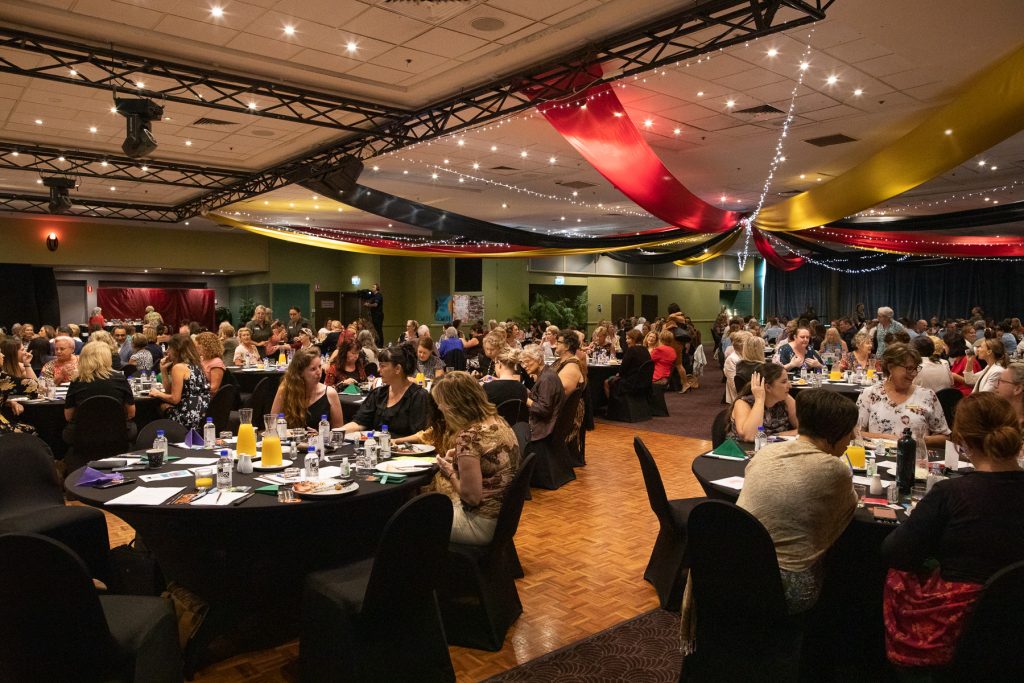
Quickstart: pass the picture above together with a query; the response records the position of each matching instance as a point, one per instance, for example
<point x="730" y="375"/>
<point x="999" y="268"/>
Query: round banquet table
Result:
<point x="47" y="416"/>
<point x="850" y="391"/>
<point x="248" y="378"/>
<point x="249" y="562"/>
<point x="846" y="626"/>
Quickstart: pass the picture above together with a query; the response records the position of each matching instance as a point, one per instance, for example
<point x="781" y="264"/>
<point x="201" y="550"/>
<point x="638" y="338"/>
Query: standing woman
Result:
<point x="567" y="366"/>
<point x="546" y="397"/>
<point x="186" y="391"/>
<point x="401" y="405"/>
<point x="211" y="353"/>
<point x="993" y="353"/>
<point x="302" y="397"/>
<point x="483" y="461"/>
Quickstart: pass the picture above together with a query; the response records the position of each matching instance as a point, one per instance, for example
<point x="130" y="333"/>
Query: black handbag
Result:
<point x="134" y="571"/>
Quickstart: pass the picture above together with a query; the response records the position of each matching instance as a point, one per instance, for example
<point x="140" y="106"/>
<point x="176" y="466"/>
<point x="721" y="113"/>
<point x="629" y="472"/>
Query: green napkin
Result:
<point x="351" y="389"/>
<point x="269" y="489"/>
<point x="172" y="458"/>
<point x="388" y="478"/>
<point x="730" y="449"/>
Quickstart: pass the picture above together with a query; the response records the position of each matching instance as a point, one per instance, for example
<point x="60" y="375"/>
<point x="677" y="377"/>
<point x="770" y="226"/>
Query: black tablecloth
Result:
<point x="249" y="562"/>
<point x="594" y="399"/>
<point x="850" y="391"/>
<point x="248" y="379"/>
<point x="48" y="419"/>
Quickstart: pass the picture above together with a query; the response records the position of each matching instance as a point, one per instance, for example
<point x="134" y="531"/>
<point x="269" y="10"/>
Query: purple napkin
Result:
<point x="194" y="439"/>
<point x="93" y="477"/>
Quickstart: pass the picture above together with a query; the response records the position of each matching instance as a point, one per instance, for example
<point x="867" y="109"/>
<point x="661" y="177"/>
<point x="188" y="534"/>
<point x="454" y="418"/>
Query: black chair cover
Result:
<point x="666" y="570"/>
<point x="509" y="411"/>
<point x="174" y="431"/>
<point x="262" y="399"/>
<point x="553" y="468"/>
<point x="948" y="398"/>
<point x="378" y="620"/>
<point x="990" y="645"/>
<point x="100" y="431"/>
<point x="742" y="634"/>
<point x="720" y="427"/>
<point x="54" y="627"/>
<point x="455" y="358"/>
<point x="568" y="437"/>
<point x="478" y="595"/>
<point x="221" y="405"/>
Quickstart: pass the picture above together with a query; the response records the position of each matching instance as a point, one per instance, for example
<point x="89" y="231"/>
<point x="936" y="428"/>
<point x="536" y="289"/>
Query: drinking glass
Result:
<point x="204" y="477"/>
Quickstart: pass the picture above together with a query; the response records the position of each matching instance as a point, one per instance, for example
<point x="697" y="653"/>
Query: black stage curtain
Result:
<point x="946" y="290"/>
<point x="29" y="295"/>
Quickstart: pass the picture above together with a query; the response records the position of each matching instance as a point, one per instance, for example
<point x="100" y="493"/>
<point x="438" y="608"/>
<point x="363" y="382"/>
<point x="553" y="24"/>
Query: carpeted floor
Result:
<point x="645" y="648"/>
<point x="692" y="413"/>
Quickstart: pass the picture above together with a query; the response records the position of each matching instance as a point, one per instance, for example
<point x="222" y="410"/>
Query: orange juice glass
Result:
<point x="204" y="477"/>
<point x="857" y="456"/>
<point x="871" y="373"/>
<point x="271" y="451"/>
<point x="835" y="375"/>
<point x="282" y="359"/>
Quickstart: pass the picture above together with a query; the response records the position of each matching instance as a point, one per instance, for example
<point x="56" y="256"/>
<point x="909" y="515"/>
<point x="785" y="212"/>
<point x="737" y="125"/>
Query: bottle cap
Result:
<point x="369" y="435"/>
<point x="383" y="428"/>
<point x="159" y="432"/>
<point x="280" y="414"/>
<point x="311" y="449"/>
<point x="323" y="417"/>
<point x="209" y="420"/>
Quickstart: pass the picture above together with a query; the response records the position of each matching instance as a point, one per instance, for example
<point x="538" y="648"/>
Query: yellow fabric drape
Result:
<point x="341" y="245"/>
<point x="714" y="252"/>
<point x="989" y="111"/>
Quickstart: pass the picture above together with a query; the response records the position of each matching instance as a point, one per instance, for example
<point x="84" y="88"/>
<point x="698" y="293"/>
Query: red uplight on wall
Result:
<point x="88" y="288"/>
<point x="52" y="242"/>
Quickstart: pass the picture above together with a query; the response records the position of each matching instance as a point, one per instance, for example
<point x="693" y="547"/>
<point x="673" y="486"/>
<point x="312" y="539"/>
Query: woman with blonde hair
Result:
<point x="104" y="337"/>
<point x="833" y="343"/>
<point x="246" y="351"/>
<point x="507" y="385"/>
<point x="729" y="367"/>
<point x="211" y="353"/>
<point x="303" y="398"/>
<point x="483" y="461"/>
<point x="185" y="392"/>
<point x="751" y="360"/>
<point x="96" y="377"/>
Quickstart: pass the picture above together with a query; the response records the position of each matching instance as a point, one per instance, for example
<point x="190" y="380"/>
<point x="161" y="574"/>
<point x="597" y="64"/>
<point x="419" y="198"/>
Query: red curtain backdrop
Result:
<point x="175" y="305"/>
<point x="605" y="136"/>
<point x="791" y="262"/>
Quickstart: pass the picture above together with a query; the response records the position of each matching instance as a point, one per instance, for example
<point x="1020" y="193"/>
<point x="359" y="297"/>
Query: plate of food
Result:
<point x="411" y="449"/>
<point x="405" y="466"/>
<point x="324" y="489"/>
<point x="274" y="468"/>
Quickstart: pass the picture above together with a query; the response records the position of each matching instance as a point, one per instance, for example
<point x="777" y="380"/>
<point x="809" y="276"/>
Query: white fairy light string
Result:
<point x="825" y="263"/>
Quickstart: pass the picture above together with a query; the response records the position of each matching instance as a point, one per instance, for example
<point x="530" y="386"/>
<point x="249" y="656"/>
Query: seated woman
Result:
<point x="993" y="353"/>
<point x="278" y="341"/>
<point x="961" y="365"/>
<point x="17" y="365"/>
<point x="1011" y="387"/>
<point x="751" y="360"/>
<point x="482" y="462"/>
<point x="833" y="344"/>
<point x="569" y="368"/>
<point x="401" y="405"/>
<point x="346" y="366"/>
<point x="547" y="395"/>
<point x="96" y="377"/>
<point x="507" y="386"/>
<point x="64" y="366"/>
<point x="108" y="339"/>
<point x="185" y="392"/>
<point x="803" y="528"/>
<point x="141" y="357"/>
<point x="860" y="357"/>
<point x="739" y="339"/>
<point x="427" y="361"/>
<point x="797" y="353"/>
<point x="10" y="410"/>
<point x="663" y="355"/>
<point x="934" y="373"/>
<point x="211" y="352"/>
<point x="764" y="402"/>
<point x="888" y="408"/>
<point x="155" y="350"/>
<point x="629" y="378"/>
<point x="970" y="527"/>
<point x="307" y="340"/>
<point x="301" y="396"/>
<point x="449" y="342"/>
<point x="494" y="344"/>
<point x="367" y="347"/>
<point x="601" y="342"/>
<point x="246" y="353"/>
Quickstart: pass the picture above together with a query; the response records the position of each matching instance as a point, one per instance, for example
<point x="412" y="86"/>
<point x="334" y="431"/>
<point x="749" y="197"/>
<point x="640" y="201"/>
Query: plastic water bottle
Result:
<point x="325" y="434"/>
<point x="370" y="449"/>
<point x="870" y="465"/>
<point x="346" y="469"/>
<point x="760" y="439"/>
<point x="312" y="464"/>
<point x="385" y="443"/>
<point x="282" y="426"/>
<point x="209" y="434"/>
<point x="224" y="467"/>
<point x="161" y="442"/>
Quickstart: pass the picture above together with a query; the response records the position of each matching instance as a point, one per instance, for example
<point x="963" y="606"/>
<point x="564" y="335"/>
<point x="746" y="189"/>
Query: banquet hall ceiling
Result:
<point x="877" y="68"/>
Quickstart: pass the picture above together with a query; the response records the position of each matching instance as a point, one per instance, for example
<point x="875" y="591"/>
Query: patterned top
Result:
<point x="142" y="360"/>
<point x="776" y="419"/>
<point x="195" y="399"/>
<point x="12" y="385"/>
<point x="242" y="353"/>
<point x="61" y="373"/>
<point x="496" y="448"/>
<point x="921" y="411"/>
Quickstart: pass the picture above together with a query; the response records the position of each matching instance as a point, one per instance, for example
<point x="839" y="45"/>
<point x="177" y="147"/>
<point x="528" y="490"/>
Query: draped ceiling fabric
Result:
<point x="786" y="263"/>
<point x="923" y="243"/>
<point x="175" y="305"/>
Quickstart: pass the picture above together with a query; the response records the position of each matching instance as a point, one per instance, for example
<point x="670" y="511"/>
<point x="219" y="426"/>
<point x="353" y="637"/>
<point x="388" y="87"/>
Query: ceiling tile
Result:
<point x="380" y="74"/>
<point x="195" y="30"/>
<point x="329" y="12"/>
<point x="831" y="113"/>
<point x="535" y="9"/>
<point x="259" y="45"/>
<point x="858" y="50"/>
<point x="913" y="78"/>
<point x="384" y="25"/>
<point x="717" y="67"/>
<point x="125" y="13"/>
<point x="572" y="12"/>
<point x="410" y="61"/>
<point x="883" y="66"/>
<point x="534" y="30"/>
<point x="322" y="60"/>
<point x="749" y="79"/>
<point x="464" y="22"/>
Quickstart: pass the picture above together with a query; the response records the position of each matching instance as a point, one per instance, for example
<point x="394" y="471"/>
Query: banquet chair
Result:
<point x="455" y="358"/>
<point x="948" y="399"/>
<point x="633" y="405"/>
<point x="666" y="570"/>
<point x="743" y="629"/>
<point x="128" y="369"/>
<point x="553" y="468"/>
<point x="262" y="398"/>
<point x="478" y="596"/>
<point x="989" y="647"/>
<point x="657" y="402"/>
<point x="54" y="626"/>
<point x="509" y="410"/>
<point x="221" y="405"/>
<point x="720" y="427"/>
<point x="174" y="431"/>
<point x="378" y="619"/>
<point x="100" y="431"/>
<point x="31" y="502"/>
<point x="522" y="432"/>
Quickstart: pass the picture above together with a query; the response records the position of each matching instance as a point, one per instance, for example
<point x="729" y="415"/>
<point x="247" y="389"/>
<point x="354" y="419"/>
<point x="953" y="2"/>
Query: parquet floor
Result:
<point x="584" y="549"/>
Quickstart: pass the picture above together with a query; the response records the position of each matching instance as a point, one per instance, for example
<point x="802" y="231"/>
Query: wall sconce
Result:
<point x="52" y="242"/>
<point x="356" y="280"/>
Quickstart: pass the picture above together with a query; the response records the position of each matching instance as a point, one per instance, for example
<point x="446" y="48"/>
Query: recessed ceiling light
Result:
<point x="188" y="143"/>
<point x="648" y="123"/>
<point x="818" y="179"/>
<point x="575" y="193"/>
<point x="504" y="205"/>
<point x="772" y="52"/>
<point x="433" y="176"/>
<point x="72" y="73"/>
<point x="93" y="129"/>
<point x="103" y="163"/>
<point x="460" y="142"/>
<point x="982" y="162"/>
<point x="730" y="103"/>
<point x="949" y="131"/>
<point x="351" y="46"/>
<point x="782" y="159"/>
<point x="289" y="30"/>
<point x="113" y="110"/>
<point x="406" y="172"/>
<point x="494" y="148"/>
<point x="700" y="93"/>
<point x="39" y="122"/>
<point x="61" y="158"/>
<point x="376" y="168"/>
<point x="113" y="188"/>
<point x="252" y="106"/>
<point x="677" y="131"/>
<point x="462" y="180"/>
<point x="804" y="66"/>
<point x="14" y="153"/>
<point x="988" y="199"/>
<point x="524" y="154"/>
<point x="266" y="203"/>
<point x="39" y="181"/>
<point x="217" y="11"/>
<point x="446" y="161"/>
<point x="832" y="80"/>
<point x="140" y="85"/>
<point x="802" y="176"/>
<point x="476" y="166"/>
<point x="858" y="92"/>
<point x="562" y="218"/>
<point x="993" y="167"/>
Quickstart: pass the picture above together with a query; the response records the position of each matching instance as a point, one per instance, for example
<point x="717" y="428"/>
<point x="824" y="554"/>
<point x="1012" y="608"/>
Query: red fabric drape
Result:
<point x="922" y="243"/>
<point x="791" y="262"/>
<point x="175" y="305"/>
<point x="610" y="142"/>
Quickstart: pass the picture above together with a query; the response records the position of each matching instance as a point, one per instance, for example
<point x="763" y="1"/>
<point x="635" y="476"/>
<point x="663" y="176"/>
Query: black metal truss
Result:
<point x="94" y="208"/>
<point x="666" y="42"/>
<point x="53" y="161"/>
<point x="97" y="67"/>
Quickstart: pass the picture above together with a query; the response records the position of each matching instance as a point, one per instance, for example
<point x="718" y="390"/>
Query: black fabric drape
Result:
<point x="790" y="293"/>
<point x="972" y="218"/>
<point x="29" y="295"/>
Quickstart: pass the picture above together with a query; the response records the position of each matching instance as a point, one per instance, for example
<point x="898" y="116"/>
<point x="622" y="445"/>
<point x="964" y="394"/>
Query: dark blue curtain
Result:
<point x="947" y="290"/>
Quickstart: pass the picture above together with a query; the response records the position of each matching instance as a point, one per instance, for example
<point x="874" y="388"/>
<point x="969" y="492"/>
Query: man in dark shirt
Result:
<point x="375" y="304"/>
<point x="295" y="323"/>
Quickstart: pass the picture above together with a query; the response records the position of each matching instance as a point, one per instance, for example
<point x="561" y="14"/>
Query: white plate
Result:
<point x="329" y="493"/>
<point x="418" y="449"/>
<point x="403" y="467"/>
<point x="17" y="399"/>
<point x="284" y="463"/>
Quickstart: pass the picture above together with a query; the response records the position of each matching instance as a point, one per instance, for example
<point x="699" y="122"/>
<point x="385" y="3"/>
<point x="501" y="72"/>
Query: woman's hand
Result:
<point x="813" y="364"/>
<point x="165" y="363"/>
<point x="25" y="357"/>
<point x="757" y="386"/>
<point x="347" y="380"/>
<point x="16" y="407"/>
<point x="446" y="467"/>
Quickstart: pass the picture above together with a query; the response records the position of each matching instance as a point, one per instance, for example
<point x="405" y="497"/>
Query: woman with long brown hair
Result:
<point x="303" y="398"/>
<point x="186" y="391"/>
<point x="346" y="365"/>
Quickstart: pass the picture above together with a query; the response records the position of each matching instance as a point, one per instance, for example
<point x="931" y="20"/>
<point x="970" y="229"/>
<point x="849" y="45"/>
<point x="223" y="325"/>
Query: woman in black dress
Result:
<point x="302" y="397"/>
<point x="508" y="385"/>
<point x="401" y="405"/>
<point x="96" y="377"/>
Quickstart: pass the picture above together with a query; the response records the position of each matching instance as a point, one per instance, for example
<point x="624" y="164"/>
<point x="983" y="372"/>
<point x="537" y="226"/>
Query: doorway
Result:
<point x="623" y="306"/>
<point x="327" y="305"/>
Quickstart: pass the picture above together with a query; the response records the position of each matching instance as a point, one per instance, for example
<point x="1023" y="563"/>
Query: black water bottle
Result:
<point x="906" y="453"/>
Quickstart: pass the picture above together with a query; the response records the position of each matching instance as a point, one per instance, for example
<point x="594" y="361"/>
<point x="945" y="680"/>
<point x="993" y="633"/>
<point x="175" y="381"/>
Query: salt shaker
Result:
<point x="876" y="485"/>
